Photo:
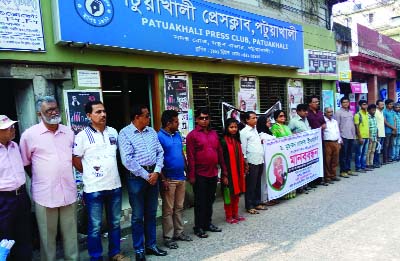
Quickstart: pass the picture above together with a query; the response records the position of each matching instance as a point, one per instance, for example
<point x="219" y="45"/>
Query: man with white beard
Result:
<point x="46" y="150"/>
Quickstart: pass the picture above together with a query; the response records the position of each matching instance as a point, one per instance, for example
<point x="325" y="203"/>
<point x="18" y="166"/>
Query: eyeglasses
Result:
<point x="203" y="118"/>
<point x="146" y="115"/>
<point x="52" y="110"/>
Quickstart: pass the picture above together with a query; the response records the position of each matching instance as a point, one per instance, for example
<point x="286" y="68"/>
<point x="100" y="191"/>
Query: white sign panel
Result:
<point x="21" y="26"/>
<point x="88" y="78"/>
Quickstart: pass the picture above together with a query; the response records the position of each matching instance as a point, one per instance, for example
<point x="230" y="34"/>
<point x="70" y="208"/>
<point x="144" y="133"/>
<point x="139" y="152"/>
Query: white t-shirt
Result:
<point x="99" y="158"/>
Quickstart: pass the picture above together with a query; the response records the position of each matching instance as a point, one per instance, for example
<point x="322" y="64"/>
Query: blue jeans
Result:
<point x="143" y="199"/>
<point x="111" y="199"/>
<point x="345" y="155"/>
<point x="396" y="147"/>
<point x="361" y="154"/>
<point x="377" y="160"/>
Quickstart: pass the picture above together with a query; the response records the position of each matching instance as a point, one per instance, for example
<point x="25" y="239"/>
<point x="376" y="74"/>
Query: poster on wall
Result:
<point x="176" y="95"/>
<point x="74" y="104"/>
<point x="295" y="95"/>
<point x="21" y="26"/>
<point x="327" y="99"/>
<point x="88" y="78"/>
<point x="398" y="91"/>
<point x="338" y="96"/>
<point x="247" y="95"/>
<point x="319" y="62"/>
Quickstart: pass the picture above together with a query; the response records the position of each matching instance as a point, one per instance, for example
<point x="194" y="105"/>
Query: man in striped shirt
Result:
<point x="143" y="156"/>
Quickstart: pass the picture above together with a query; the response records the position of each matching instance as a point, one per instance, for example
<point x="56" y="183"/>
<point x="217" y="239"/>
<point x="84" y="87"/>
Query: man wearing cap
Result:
<point x="15" y="206"/>
<point x="46" y="150"/>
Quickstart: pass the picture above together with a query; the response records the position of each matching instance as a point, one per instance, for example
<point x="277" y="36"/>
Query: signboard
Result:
<point x="343" y="68"/>
<point x="21" y="26"/>
<point x="89" y="79"/>
<point x="319" y="62"/>
<point x="180" y="27"/>
<point x="292" y="162"/>
<point x="176" y="93"/>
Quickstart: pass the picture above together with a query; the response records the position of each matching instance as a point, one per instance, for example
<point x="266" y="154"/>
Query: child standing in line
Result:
<point x="235" y="181"/>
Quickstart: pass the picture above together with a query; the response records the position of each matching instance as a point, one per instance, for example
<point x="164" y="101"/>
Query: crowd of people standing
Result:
<point x="156" y="165"/>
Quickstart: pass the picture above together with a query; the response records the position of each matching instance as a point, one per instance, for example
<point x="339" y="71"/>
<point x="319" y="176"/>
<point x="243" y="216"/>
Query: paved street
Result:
<point x="354" y="219"/>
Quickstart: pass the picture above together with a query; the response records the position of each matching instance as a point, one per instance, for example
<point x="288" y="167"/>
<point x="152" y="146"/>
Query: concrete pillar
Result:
<point x="41" y="87"/>
<point x="392" y="89"/>
<point x="372" y="89"/>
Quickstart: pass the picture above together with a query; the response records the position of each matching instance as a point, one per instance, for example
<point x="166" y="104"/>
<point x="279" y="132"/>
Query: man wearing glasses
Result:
<point x="143" y="156"/>
<point x="46" y="150"/>
<point x="15" y="207"/>
<point x="316" y="120"/>
<point x="204" y="154"/>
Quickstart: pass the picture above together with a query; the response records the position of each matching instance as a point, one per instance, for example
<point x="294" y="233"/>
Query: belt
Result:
<point x="331" y="140"/>
<point x="15" y="192"/>
<point x="149" y="168"/>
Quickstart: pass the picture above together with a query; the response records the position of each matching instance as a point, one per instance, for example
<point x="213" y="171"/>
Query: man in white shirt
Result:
<point x="332" y="143"/>
<point x="254" y="161"/>
<point x="380" y="122"/>
<point x="95" y="155"/>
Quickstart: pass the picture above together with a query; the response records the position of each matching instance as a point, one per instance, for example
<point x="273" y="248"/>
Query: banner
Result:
<point x="292" y="162"/>
<point x="229" y="111"/>
<point x="176" y="95"/>
<point x="247" y="95"/>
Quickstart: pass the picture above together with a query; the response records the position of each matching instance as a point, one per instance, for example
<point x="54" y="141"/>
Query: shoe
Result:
<point x="344" y="175"/>
<point x="362" y="171"/>
<point x="200" y="233"/>
<point x="307" y="188"/>
<point x="368" y="169"/>
<point x="140" y="256"/>
<point x="351" y="173"/>
<point x="261" y="207"/>
<point x="313" y="186"/>
<point x="183" y="237"/>
<point x="377" y="166"/>
<point x="231" y="221"/>
<point x="336" y="179"/>
<point x="155" y="251"/>
<point x="324" y="183"/>
<point x="330" y="182"/>
<point x="213" y="228"/>
<point x="240" y="218"/>
<point x="171" y="244"/>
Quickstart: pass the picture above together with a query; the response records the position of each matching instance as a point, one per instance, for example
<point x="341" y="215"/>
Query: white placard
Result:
<point x="21" y="26"/>
<point x="88" y="78"/>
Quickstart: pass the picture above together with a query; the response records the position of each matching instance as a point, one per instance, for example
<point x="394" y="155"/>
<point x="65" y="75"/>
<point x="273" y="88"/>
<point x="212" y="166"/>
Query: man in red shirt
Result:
<point x="204" y="154"/>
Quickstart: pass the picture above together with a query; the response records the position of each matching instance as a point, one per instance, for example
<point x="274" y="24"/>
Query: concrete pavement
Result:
<point x="354" y="219"/>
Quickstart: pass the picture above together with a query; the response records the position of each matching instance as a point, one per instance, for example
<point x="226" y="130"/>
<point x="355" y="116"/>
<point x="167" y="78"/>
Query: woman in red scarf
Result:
<point x="234" y="160"/>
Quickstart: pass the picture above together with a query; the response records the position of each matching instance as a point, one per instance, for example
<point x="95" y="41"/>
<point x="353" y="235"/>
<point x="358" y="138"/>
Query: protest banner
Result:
<point x="292" y="162"/>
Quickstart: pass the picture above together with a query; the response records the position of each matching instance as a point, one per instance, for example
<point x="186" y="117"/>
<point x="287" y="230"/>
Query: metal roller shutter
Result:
<point x="210" y="90"/>
<point x="312" y="87"/>
<point x="271" y="91"/>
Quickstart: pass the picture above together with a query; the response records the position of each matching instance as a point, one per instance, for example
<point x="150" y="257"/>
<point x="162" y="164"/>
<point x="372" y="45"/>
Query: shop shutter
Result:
<point x="271" y="91"/>
<point x="210" y="90"/>
<point x="312" y="87"/>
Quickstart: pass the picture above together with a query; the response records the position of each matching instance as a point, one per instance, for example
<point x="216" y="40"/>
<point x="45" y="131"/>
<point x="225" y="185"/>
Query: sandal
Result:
<point x="252" y="211"/>
<point x="171" y="244"/>
<point x="232" y="221"/>
<point x="261" y="207"/>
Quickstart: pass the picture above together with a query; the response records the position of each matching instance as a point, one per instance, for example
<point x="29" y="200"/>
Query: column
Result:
<point x="392" y="89"/>
<point x="372" y="89"/>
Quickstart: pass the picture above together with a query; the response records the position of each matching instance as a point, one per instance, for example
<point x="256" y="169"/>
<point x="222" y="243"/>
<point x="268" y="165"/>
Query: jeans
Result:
<point x="361" y="154"/>
<point x="111" y="200"/>
<point x="396" y="147"/>
<point x="143" y="199"/>
<point x="377" y="160"/>
<point x="345" y="155"/>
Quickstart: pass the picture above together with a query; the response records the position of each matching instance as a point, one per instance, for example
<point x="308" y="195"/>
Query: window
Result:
<point x="370" y="18"/>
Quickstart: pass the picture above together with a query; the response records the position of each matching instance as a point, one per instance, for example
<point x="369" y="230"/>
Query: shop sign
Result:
<point x="180" y="27"/>
<point x="21" y="26"/>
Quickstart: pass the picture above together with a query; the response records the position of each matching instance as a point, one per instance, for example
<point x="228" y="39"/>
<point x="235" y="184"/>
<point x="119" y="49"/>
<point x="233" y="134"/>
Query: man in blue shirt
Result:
<point x="173" y="180"/>
<point x="142" y="156"/>
<point x="390" y="131"/>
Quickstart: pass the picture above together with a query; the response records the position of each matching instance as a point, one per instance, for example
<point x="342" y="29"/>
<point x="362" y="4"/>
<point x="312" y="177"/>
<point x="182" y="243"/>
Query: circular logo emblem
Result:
<point x="277" y="172"/>
<point x="95" y="12"/>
